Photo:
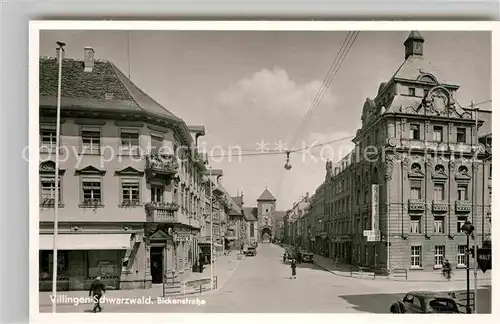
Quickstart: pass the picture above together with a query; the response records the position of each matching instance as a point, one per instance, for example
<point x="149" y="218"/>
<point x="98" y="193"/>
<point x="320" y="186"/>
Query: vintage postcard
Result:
<point x="261" y="167"/>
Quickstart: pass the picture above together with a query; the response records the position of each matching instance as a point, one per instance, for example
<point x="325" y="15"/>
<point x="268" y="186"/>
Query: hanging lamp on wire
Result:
<point x="288" y="166"/>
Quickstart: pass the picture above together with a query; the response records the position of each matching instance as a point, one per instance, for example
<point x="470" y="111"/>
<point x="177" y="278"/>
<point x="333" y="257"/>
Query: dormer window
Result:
<point x="411" y="92"/>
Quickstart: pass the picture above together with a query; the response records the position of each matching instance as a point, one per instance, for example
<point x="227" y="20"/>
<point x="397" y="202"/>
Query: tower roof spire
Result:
<point x="414" y="45"/>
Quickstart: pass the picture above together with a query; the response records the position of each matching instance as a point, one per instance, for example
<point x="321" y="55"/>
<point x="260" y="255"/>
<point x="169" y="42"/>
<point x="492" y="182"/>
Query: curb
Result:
<point x="222" y="285"/>
<point x="393" y="279"/>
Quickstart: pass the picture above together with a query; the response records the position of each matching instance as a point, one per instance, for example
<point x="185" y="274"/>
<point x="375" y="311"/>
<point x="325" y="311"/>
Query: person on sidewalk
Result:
<point x="293" y="265"/>
<point x="96" y="290"/>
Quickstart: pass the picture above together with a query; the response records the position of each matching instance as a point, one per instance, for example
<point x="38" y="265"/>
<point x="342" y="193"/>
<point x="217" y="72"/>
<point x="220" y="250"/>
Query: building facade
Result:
<point x="420" y="169"/>
<point x="133" y="186"/>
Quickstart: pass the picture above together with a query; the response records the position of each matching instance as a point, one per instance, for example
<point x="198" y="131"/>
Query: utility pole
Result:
<point x="56" y="176"/>
<point x="474" y="203"/>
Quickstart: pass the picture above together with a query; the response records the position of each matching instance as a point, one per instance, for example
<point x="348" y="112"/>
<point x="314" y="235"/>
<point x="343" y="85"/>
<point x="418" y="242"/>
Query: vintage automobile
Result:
<point x="308" y="257"/>
<point x="251" y="251"/>
<point x="422" y="302"/>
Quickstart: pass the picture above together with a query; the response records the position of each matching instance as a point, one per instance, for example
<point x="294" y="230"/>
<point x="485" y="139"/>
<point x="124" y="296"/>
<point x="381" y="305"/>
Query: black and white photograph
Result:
<point x="292" y="170"/>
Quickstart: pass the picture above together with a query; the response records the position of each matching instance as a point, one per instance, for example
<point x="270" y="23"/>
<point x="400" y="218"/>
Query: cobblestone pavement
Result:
<point x="262" y="284"/>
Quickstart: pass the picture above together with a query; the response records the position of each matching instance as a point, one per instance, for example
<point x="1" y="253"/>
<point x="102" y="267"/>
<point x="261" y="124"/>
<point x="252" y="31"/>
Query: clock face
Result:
<point x="416" y="47"/>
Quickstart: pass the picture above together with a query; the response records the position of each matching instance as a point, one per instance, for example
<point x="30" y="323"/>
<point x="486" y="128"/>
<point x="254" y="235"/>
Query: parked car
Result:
<point x="251" y="251"/>
<point x="425" y="302"/>
<point x="308" y="257"/>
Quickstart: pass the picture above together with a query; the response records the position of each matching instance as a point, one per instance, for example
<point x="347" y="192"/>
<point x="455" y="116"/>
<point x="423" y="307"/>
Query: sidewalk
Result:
<point x="415" y="276"/>
<point x="224" y="268"/>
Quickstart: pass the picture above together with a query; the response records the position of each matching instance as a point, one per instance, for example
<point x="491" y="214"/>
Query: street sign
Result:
<point x="373" y="237"/>
<point x="484" y="259"/>
<point x="368" y="232"/>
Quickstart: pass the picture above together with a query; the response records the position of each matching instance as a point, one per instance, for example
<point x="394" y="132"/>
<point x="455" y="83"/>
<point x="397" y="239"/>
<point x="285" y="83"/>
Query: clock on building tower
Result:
<point x="414" y="45"/>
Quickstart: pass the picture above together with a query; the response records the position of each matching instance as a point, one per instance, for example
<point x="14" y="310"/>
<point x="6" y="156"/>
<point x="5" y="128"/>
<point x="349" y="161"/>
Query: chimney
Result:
<point x="88" y="59"/>
<point x="59" y="53"/>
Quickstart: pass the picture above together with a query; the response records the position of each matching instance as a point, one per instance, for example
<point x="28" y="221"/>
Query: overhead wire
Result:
<point x="276" y="152"/>
<point x="332" y="72"/>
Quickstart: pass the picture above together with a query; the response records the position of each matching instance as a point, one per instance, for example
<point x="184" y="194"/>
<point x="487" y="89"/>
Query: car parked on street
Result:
<point x="251" y="251"/>
<point x="425" y="302"/>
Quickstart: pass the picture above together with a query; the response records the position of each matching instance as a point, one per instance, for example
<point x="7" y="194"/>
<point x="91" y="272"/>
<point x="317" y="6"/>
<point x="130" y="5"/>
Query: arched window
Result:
<point x="416" y="168"/>
<point x="439" y="169"/>
<point x="428" y="78"/>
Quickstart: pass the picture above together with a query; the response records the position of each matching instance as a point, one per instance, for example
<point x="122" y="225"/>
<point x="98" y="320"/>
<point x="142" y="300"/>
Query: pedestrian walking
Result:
<point x="294" y="268"/>
<point x="97" y="289"/>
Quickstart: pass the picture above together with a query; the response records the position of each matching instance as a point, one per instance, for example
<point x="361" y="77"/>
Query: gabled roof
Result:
<point x="278" y="215"/>
<point x="238" y="201"/>
<point x="104" y="89"/>
<point x="266" y="196"/>
<point x="250" y="213"/>
<point x="415" y="67"/>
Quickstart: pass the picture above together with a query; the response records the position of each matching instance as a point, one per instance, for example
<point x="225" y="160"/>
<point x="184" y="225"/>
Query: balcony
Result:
<point x="439" y="206"/>
<point x="157" y="212"/>
<point x="463" y="206"/>
<point x="416" y="205"/>
<point x="161" y="165"/>
<point x="199" y="158"/>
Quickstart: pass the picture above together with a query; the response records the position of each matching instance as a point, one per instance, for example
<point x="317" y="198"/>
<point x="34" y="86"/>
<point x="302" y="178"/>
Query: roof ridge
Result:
<point x="121" y="75"/>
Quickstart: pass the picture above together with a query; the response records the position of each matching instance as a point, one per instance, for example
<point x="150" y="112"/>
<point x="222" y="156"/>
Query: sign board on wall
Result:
<point x="375" y="208"/>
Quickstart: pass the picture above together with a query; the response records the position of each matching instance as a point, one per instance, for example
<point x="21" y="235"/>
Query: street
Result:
<point x="263" y="284"/>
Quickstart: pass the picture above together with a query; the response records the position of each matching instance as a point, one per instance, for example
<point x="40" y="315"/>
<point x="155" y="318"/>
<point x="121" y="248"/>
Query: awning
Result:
<point x="85" y="241"/>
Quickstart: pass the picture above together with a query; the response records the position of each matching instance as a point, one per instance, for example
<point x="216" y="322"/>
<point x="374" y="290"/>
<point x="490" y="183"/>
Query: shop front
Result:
<point x="80" y="258"/>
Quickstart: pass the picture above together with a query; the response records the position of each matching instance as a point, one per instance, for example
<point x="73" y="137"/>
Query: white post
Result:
<point x="211" y="231"/>
<point x="56" y="177"/>
<point x="476" y="143"/>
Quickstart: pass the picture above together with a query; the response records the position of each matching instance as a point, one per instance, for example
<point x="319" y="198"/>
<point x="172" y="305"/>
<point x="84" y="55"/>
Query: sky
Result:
<point x="253" y="89"/>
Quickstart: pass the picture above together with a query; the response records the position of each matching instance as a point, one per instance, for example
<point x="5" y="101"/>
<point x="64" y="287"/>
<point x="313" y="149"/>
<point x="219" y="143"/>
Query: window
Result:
<point x="48" y="190"/>
<point x="438" y="255"/>
<point x="91" y="190"/>
<point x="460" y="135"/>
<point x="156" y="142"/>
<point x="461" y="255"/>
<point x="130" y="191"/>
<point x="157" y="194"/>
<point x="439" y="191"/>
<point x="460" y="222"/>
<point x="437" y="134"/>
<point x="416" y="260"/>
<point x="491" y="170"/>
<point x="426" y="92"/>
<point x="48" y="139"/>
<point x="411" y="92"/>
<point x="415" y="131"/>
<point x="462" y="190"/>
<point x="91" y="141"/>
<point x="130" y="140"/>
<point x="438" y="224"/>
<point x="415" y="225"/>
<point x="416" y="190"/>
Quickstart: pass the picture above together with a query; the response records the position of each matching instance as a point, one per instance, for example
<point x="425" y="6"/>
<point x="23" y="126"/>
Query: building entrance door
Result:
<point x="156" y="264"/>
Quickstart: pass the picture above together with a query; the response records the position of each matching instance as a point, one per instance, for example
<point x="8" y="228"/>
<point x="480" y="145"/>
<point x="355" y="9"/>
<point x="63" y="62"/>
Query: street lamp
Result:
<point x="468" y="229"/>
<point x="60" y="50"/>
<point x="288" y="166"/>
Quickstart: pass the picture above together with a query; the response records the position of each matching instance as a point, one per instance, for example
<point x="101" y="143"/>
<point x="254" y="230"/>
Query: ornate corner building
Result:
<point x="431" y="161"/>
<point x="134" y="203"/>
